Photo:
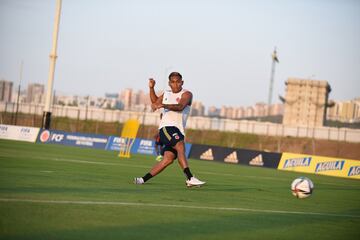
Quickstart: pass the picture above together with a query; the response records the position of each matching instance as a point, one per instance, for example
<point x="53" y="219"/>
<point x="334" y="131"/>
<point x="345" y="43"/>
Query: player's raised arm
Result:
<point x="158" y="103"/>
<point x="153" y="96"/>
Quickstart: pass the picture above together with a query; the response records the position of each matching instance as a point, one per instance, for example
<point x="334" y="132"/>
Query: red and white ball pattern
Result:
<point x="302" y="187"/>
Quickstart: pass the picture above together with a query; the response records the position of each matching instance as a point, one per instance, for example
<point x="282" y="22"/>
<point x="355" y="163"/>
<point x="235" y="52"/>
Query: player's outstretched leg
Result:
<point x="191" y="180"/>
<point x="159" y="167"/>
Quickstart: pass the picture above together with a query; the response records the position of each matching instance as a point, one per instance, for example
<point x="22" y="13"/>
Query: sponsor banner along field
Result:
<point x="72" y="139"/>
<point x="18" y="133"/>
<point x="140" y="145"/>
<point x="237" y="156"/>
<point x="119" y="143"/>
<point x="337" y="167"/>
<point x="146" y="146"/>
<point x="112" y="143"/>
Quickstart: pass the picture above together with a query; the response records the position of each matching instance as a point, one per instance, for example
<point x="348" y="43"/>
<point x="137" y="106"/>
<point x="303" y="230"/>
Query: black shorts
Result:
<point x="170" y="136"/>
<point x="170" y="149"/>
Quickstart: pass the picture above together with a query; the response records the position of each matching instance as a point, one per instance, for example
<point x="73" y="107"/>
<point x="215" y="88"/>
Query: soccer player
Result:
<point x="176" y="104"/>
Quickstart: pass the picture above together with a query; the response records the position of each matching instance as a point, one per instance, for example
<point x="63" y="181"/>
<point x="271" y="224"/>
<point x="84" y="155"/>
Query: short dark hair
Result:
<point x="175" y="74"/>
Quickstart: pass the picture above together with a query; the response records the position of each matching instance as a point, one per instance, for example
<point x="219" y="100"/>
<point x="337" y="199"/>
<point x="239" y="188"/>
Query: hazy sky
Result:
<point x="222" y="47"/>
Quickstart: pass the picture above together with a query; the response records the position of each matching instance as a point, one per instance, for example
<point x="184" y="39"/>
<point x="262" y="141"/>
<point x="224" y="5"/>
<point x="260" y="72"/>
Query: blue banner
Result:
<point x="72" y="139"/>
<point x="111" y="143"/>
<point x="144" y="146"/>
<point x="140" y="146"/>
<point x="116" y="144"/>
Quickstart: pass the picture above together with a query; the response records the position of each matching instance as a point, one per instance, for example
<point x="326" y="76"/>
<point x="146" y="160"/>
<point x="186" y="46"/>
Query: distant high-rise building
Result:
<point x="5" y="91"/>
<point x="305" y="102"/>
<point x="346" y="111"/>
<point x="142" y="98"/>
<point x="197" y="109"/>
<point x="357" y="110"/>
<point x="239" y="112"/>
<point x="111" y="95"/>
<point x="134" y="101"/>
<point x="126" y="98"/>
<point x="276" y="109"/>
<point x="213" y="112"/>
<point x="227" y="112"/>
<point x="260" y="109"/>
<point x="250" y="112"/>
<point x="35" y="93"/>
<point x="135" y="98"/>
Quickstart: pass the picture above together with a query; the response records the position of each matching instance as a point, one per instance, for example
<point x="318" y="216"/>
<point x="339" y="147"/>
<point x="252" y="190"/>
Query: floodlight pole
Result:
<point x="18" y="96"/>
<point x="47" y="114"/>
<point x="274" y="61"/>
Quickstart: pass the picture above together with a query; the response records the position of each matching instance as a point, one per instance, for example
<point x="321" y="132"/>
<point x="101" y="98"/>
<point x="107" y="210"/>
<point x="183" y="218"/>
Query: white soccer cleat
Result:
<point x="138" y="181"/>
<point x="194" y="182"/>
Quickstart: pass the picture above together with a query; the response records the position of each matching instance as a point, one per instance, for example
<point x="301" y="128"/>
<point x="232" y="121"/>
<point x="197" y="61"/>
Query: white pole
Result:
<point x="274" y="61"/>
<point x="53" y="56"/>
<point x="18" y="94"/>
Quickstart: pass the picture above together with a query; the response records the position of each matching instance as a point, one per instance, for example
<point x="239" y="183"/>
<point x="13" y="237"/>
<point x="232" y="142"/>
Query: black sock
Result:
<point x="188" y="173"/>
<point x="147" y="177"/>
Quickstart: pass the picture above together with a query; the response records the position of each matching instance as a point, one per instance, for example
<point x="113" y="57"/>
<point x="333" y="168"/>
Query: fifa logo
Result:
<point x="119" y="140"/>
<point x="25" y="130"/>
<point x="145" y="143"/>
<point x="3" y="128"/>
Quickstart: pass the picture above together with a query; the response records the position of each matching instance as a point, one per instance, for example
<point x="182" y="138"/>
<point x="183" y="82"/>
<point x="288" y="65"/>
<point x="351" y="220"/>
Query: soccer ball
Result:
<point x="302" y="187"/>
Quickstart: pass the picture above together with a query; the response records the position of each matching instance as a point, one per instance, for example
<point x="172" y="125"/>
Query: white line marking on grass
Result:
<point x="231" y="209"/>
<point x="247" y="176"/>
<point x="272" y="178"/>
<point x="92" y="162"/>
<point x="98" y="162"/>
<point x="50" y="158"/>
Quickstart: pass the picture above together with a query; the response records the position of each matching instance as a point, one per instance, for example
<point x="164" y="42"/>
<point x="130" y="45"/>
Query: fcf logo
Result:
<point x="47" y="136"/>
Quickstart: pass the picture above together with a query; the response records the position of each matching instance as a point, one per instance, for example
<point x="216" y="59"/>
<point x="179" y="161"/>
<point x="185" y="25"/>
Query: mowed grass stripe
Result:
<point x="132" y="165"/>
<point x="236" y="209"/>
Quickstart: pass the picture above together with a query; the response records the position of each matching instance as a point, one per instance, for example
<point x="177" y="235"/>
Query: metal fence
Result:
<point x="205" y="123"/>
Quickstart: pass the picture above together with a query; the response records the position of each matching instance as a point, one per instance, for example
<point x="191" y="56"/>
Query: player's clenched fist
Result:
<point x="151" y="83"/>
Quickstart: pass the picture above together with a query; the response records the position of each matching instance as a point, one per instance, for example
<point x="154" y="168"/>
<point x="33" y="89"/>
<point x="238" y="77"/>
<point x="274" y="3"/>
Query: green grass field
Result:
<point x="58" y="192"/>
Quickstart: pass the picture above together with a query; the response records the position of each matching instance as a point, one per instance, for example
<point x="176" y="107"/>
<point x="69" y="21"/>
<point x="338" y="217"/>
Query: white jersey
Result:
<point x="174" y="118"/>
